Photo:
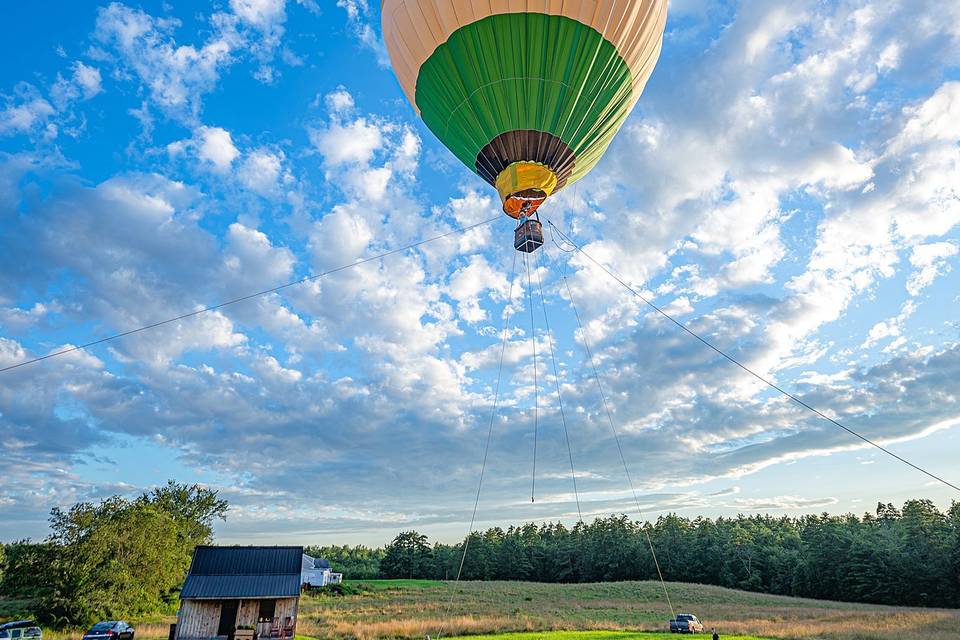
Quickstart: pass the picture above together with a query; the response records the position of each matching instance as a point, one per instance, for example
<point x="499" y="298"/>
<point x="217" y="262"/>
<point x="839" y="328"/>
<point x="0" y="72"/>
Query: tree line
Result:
<point x="127" y="558"/>
<point x="908" y="556"/>
<point x="119" y="558"/>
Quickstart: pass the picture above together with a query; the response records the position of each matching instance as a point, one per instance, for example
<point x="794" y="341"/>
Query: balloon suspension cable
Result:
<point x="486" y="448"/>
<point x="536" y="407"/>
<point x="616" y="437"/>
<point x="221" y="305"/>
<point x="553" y="239"/>
<point x="745" y="368"/>
<point x="556" y="377"/>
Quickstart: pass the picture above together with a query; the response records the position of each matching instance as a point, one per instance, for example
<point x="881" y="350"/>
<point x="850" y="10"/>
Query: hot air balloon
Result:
<point x="526" y="93"/>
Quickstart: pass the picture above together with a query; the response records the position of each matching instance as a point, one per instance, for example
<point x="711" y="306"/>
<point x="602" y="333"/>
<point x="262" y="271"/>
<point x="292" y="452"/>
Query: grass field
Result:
<point x="412" y="609"/>
<point x="388" y="609"/>
<point x="380" y="585"/>
<point x="587" y="635"/>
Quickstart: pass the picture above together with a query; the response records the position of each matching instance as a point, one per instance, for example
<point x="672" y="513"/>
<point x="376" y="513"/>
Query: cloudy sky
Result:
<point x="788" y="186"/>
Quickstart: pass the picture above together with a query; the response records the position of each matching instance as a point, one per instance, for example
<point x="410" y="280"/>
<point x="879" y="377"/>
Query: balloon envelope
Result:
<point x="527" y="93"/>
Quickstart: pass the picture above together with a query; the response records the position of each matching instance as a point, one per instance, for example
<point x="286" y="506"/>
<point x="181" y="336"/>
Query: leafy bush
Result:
<point x="339" y="589"/>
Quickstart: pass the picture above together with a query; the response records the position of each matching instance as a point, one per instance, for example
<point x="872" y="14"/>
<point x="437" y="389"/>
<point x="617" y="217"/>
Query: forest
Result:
<point x="906" y="556"/>
<point x="126" y="558"/>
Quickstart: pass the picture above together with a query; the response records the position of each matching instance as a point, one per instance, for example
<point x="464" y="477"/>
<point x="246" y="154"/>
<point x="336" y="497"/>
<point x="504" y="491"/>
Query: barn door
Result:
<point x="228" y="618"/>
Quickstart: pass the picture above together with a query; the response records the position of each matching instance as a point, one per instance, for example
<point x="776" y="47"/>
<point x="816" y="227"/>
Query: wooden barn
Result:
<point x="240" y="593"/>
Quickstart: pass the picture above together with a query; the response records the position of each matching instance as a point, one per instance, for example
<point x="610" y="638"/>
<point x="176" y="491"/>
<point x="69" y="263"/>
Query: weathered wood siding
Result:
<point x="287" y="608"/>
<point x="198" y="619"/>
<point x="247" y="613"/>
<point x="201" y="618"/>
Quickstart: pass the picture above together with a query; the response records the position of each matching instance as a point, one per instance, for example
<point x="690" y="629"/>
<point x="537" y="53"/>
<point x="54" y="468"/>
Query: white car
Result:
<point x="19" y="629"/>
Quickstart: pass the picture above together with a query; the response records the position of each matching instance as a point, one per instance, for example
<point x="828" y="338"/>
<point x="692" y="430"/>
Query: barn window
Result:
<point x="268" y="609"/>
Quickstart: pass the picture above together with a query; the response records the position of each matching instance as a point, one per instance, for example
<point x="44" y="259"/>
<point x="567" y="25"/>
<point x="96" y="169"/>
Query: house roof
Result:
<point x="243" y="572"/>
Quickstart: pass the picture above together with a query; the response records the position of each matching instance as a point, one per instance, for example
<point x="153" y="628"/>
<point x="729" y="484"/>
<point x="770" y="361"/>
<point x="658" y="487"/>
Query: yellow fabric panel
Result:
<point x="413" y="29"/>
<point x="521" y="176"/>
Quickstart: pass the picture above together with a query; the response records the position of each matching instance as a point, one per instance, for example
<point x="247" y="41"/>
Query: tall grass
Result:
<point x="495" y="607"/>
<point x="411" y="611"/>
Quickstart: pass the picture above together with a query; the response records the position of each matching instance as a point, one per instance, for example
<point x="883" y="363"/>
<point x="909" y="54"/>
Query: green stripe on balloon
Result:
<point x="525" y="71"/>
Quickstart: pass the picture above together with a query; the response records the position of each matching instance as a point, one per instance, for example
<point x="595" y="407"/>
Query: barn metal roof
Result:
<point x="243" y="572"/>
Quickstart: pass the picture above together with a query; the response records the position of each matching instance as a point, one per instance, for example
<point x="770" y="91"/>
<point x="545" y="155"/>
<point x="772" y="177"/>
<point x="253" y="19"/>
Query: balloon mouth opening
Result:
<point x="523" y="186"/>
<point x="523" y="203"/>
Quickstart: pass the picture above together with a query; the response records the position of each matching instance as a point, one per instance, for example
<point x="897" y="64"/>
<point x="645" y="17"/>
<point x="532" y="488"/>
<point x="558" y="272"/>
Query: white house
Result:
<point x="315" y="572"/>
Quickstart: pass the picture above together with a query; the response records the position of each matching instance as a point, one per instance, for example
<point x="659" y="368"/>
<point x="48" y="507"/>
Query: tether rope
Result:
<point x="486" y="448"/>
<point x="616" y="437"/>
<point x="556" y="377"/>
<point x="221" y="305"/>
<point x="533" y="342"/>
<point x="745" y="368"/>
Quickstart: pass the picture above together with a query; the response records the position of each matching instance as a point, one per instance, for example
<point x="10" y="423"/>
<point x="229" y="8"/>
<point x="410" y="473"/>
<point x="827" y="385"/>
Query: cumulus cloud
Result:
<point x="469" y="282"/>
<point x="339" y="101"/>
<point x="267" y="17"/>
<point x="351" y="142"/>
<point x="176" y="75"/>
<point x="85" y="83"/>
<point x="215" y="145"/>
<point x="262" y="171"/>
<point x="930" y="261"/>
<point x="781" y="184"/>
<point x="891" y="328"/>
<point x="358" y="18"/>
<point x="782" y="502"/>
<point x="26" y="112"/>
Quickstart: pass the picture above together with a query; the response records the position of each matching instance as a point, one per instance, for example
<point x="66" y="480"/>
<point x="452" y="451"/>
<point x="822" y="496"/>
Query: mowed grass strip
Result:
<point x="379" y="585"/>
<point x="477" y="608"/>
<point x="589" y="635"/>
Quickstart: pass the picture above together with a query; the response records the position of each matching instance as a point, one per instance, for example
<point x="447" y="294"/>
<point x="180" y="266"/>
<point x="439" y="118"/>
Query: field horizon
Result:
<point x="416" y="608"/>
<point x="632" y="610"/>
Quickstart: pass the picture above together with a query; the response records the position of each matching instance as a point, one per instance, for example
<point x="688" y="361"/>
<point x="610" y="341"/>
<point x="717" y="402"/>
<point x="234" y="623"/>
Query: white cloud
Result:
<point x="25" y="112"/>
<point x="267" y="17"/>
<point x="930" y="261"/>
<point x="935" y="119"/>
<point x="215" y="145"/>
<point x="778" y="189"/>
<point x="16" y="319"/>
<point x="782" y="502"/>
<point x="340" y="101"/>
<point x="273" y="372"/>
<point x="353" y="142"/>
<point x="468" y="283"/>
<point x="262" y="171"/>
<point x="262" y="14"/>
<point x="85" y="84"/>
<point x="176" y="76"/>
<point x="891" y="328"/>
<point x="88" y="79"/>
<point x="366" y="34"/>
<point x="253" y="262"/>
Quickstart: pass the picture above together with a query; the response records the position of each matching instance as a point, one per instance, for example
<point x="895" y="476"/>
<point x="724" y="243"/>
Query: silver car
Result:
<point x="20" y="629"/>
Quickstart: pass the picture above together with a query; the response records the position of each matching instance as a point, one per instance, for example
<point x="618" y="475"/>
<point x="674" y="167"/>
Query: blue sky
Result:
<point x="787" y="186"/>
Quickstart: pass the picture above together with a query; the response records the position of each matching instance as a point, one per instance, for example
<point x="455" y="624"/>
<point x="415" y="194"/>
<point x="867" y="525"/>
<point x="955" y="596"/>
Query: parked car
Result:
<point x="110" y="630"/>
<point x="19" y="629"/>
<point x="686" y="623"/>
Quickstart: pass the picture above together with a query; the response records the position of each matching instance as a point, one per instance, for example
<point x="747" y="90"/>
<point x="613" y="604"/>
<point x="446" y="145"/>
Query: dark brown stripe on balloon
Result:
<point x="526" y="145"/>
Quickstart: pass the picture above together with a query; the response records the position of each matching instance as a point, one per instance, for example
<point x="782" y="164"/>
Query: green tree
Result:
<point x="408" y="556"/>
<point x="120" y="558"/>
<point x="355" y="563"/>
<point x="193" y="508"/>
